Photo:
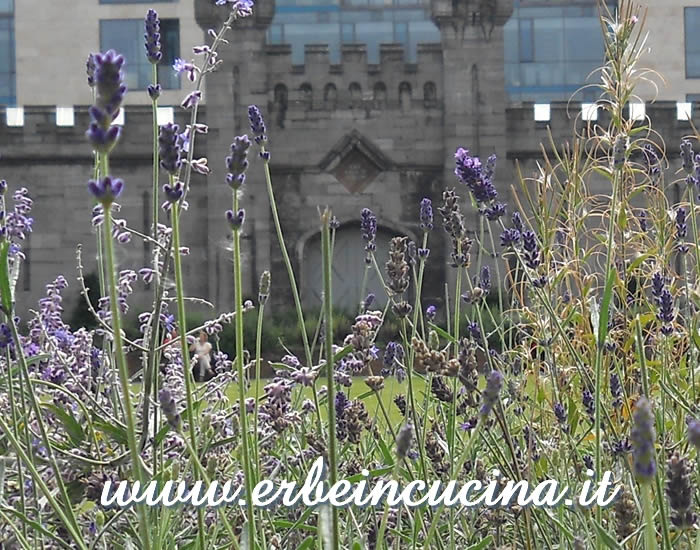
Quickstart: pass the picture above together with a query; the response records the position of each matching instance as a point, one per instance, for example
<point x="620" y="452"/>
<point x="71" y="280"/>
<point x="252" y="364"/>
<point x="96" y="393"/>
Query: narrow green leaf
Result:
<point x="5" y="290"/>
<point x="72" y="426"/>
<point x="608" y="540"/>
<point x="482" y="544"/>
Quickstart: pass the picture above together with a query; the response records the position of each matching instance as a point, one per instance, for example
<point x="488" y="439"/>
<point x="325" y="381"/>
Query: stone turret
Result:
<point x="239" y="81"/>
<point x="473" y="72"/>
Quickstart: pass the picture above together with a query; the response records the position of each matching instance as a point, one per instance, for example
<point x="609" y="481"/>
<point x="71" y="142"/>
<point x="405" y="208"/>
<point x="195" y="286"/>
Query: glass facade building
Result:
<point x="7" y="53"/>
<point x="126" y="37"/>
<point x="337" y="22"/>
<point x="550" y="50"/>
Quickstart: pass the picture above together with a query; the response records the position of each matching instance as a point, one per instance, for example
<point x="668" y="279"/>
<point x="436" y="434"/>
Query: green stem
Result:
<point x="649" y="530"/>
<point x="238" y="297"/>
<point x="328" y="343"/>
<point x="122" y="365"/>
<point x="182" y="326"/>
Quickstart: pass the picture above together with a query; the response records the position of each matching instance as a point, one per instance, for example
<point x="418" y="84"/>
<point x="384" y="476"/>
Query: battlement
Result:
<point x="528" y="123"/>
<point x="58" y="132"/>
<point x="320" y="85"/>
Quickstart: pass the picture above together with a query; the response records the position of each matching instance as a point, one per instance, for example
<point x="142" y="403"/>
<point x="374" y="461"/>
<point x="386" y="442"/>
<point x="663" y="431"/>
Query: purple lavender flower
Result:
<point x="687" y="155"/>
<point x="679" y="491"/>
<point x="560" y="413"/>
<point x="532" y="249"/>
<point x="681" y="229"/>
<point x="173" y="193"/>
<point x="469" y="171"/>
<point x="642" y="437"/>
<point x="616" y="390"/>
<point x="152" y="36"/>
<point x="242" y="8"/>
<point x="495" y="211"/>
<point x="430" y="312"/>
<point x="368" y="227"/>
<point x="485" y="279"/>
<point x="588" y="461"/>
<point x="192" y="99"/>
<point x="341" y="403"/>
<point x="90" y="70"/>
<point x="181" y="66"/>
<point x="426" y="215"/>
<point x="237" y="162"/>
<point x="490" y="395"/>
<point x="257" y="124"/>
<point x="109" y="95"/>
<point x="666" y="313"/>
<point x="169" y="149"/>
<point x="589" y="404"/>
<point x="658" y="283"/>
<point x="153" y="91"/>
<point x="235" y="220"/>
<point x="510" y="237"/>
<point x="518" y="222"/>
<point x="106" y="190"/>
<point x="474" y="330"/>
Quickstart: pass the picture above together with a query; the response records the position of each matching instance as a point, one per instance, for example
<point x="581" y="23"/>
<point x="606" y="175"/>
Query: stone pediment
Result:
<point x="355" y="162"/>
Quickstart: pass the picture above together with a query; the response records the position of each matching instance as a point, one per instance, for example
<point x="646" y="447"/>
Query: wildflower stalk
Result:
<point x="243" y="415"/>
<point x="290" y="275"/>
<point x="258" y="351"/>
<point x="328" y="343"/>
<point x="603" y="329"/>
<point x="155" y="319"/>
<point x="184" y="348"/>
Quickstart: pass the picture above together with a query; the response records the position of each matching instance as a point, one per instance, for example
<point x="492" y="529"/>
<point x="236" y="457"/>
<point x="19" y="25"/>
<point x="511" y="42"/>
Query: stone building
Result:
<point x="352" y="125"/>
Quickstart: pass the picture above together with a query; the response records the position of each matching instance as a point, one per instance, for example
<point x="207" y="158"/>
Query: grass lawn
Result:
<point x="358" y="390"/>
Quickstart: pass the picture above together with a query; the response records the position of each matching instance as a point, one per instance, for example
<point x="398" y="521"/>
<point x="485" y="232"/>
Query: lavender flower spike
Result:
<point x="169" y="149"/>
<point x="152" y="36"/>
<point x="642" y="437"/>
<point x="257" y="124"/>
<point x="426" y="215"/>
<point x="110" y="91"/>
<point x="237" y="162"/>
<point x="368" y="227"/>
<point x="490" y="395"/>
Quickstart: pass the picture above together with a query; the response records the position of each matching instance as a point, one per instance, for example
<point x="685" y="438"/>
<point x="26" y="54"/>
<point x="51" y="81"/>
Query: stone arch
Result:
<point x="405" y="96"/>
<point x="379" y="95"/>
<point x="429" y="94"/>
<point x="348" y="265"/>
<point x="306" y="93"/>
<point x="330" y="96"/>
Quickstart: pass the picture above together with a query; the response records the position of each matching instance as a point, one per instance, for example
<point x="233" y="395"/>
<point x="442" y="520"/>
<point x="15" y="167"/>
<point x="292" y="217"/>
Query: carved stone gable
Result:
<point x="355" y="162"/>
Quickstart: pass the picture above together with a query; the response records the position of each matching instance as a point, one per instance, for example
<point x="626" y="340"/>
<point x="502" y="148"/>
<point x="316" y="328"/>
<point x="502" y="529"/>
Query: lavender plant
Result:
<point x="588" y="363"/>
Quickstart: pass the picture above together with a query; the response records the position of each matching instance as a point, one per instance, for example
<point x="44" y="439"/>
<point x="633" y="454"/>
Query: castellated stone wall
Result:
<point x="347" y="136"/>
<point x="349" y="157"/>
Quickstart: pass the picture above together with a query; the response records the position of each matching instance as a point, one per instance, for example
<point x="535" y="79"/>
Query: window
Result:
<point x="368" y="22"/>
<point x="126" y="37"/>
<point x="551" y="50"/>
<point x="7" y="53"/>
<point x="692" y="42"/>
